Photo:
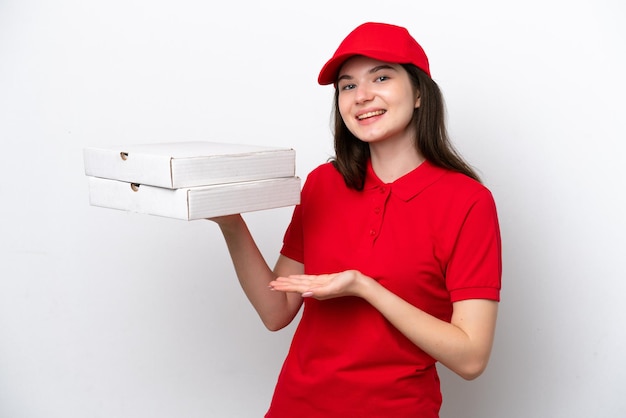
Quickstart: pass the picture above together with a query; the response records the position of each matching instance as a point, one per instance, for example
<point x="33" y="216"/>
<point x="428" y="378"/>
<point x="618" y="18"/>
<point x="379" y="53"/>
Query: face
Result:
<point x="376" y="100"/>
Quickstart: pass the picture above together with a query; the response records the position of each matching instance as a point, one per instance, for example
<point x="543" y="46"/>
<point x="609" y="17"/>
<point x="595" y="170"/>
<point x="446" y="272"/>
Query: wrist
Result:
<point x="228" y="223"/>
<point x="365" y="285"/>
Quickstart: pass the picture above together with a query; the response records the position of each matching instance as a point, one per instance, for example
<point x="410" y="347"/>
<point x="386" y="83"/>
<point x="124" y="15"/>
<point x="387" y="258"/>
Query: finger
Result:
<point x="299" y="280"/>
<point x="289" y="286"/>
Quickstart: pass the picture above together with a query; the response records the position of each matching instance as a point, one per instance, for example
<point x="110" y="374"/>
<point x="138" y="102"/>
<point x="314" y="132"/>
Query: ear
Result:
<point x="418" y="100"/>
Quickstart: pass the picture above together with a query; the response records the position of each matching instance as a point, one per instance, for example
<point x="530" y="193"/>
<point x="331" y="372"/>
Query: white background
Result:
<point x="110" y="314"/>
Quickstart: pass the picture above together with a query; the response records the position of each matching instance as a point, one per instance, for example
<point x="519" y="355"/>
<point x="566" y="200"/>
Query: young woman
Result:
<point x="394" y="249"/>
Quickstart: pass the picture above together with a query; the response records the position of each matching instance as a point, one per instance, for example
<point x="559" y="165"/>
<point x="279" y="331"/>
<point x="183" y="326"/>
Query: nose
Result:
<point x="363" y="93"/>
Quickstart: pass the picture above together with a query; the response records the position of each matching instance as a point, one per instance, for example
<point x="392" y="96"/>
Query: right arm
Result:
<point x="276" y="309"/>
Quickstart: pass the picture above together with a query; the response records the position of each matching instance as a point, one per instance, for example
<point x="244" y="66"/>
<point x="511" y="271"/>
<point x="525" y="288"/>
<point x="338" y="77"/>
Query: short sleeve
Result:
<point x="475" y="267"/>
<point x="293" y="239"/>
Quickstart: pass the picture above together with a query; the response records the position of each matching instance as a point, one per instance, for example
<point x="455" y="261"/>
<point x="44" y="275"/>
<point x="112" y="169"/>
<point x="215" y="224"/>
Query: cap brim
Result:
<point x="328" y="74"/>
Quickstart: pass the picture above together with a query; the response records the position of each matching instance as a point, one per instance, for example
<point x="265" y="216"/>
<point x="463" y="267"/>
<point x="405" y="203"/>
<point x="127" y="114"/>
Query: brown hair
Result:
<point x="352" y="154"/>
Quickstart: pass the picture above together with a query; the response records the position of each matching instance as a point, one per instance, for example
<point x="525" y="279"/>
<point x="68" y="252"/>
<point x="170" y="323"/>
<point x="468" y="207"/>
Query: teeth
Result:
<point x="370" y="114"/>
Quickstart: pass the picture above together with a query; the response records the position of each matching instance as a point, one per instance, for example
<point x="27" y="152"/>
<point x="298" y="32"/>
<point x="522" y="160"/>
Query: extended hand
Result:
<point x="323" y="286"/>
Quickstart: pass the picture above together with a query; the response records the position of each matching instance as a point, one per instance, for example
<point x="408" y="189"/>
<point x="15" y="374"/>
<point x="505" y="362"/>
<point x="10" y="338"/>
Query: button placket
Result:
<point x="379" y="201"/>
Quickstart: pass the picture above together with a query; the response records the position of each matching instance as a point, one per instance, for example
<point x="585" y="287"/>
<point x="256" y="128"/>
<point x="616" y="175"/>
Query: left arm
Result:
<point x="463" y="345"/>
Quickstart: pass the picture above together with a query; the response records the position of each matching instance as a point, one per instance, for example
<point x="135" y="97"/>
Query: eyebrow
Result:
<point x="371" y="71"/>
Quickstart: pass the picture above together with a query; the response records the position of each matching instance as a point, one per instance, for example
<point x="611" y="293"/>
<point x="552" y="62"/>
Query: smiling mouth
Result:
<point x="370" y="114"/>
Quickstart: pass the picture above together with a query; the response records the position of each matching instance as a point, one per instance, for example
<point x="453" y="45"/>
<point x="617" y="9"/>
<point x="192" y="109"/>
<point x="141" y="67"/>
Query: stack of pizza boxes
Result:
<point x="191" y="180"/>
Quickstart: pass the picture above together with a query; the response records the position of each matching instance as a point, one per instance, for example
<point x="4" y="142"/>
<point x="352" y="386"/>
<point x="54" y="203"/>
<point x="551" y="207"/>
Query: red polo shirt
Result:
<point x="432" y="238"/>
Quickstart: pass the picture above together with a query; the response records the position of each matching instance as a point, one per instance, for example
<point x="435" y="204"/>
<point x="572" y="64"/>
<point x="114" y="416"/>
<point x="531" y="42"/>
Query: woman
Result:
<point x="394" y="249"/>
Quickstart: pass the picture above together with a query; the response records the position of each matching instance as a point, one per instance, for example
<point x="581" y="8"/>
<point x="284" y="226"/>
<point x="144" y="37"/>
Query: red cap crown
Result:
<point x="380" y="41"/>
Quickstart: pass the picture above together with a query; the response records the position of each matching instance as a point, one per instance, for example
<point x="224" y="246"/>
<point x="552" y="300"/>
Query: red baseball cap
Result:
<point x="380" y="41"/>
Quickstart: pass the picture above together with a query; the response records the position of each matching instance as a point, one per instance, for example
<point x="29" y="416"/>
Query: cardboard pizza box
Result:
<point x="188" y="164"/>
<point x="189" y="203"/>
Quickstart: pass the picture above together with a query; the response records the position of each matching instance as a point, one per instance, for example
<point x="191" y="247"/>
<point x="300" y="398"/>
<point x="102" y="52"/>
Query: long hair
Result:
<point x="432" y="141"/>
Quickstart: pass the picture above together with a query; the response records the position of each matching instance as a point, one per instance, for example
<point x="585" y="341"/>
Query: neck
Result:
<point x="392" y="161"/>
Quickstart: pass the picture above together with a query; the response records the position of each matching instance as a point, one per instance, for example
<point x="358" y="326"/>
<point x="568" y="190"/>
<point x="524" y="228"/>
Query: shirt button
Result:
<point x="383" y="189"/>
<point x="377" y="210"/>
<point x="372" y="232"/>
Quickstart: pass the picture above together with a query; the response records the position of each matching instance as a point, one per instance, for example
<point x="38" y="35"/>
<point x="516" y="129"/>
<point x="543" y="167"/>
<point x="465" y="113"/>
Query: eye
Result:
<point x="348" y="86"/>
<point x="382" y="78"/>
